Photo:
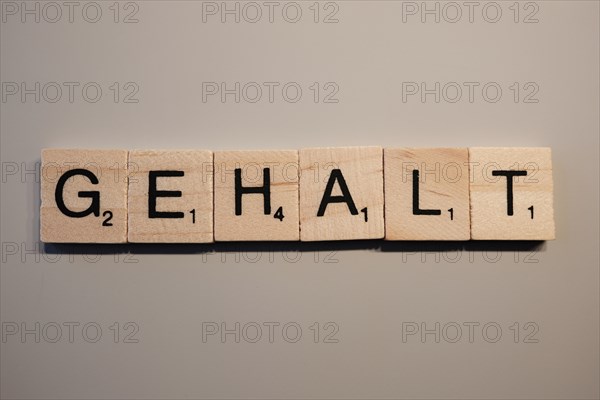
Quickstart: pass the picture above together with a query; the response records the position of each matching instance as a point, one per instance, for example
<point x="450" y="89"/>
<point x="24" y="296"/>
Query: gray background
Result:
<point x="368" y="290"/>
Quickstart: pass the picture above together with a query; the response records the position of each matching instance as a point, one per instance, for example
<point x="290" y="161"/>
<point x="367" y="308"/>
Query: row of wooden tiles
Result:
<point x="348" y="193"/>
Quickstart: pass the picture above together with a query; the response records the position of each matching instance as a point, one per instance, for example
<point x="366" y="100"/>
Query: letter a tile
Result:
<point x="256" y="195"/>
<point x="84" y="196"/>
<point x="341" y="193"/>
<point x="511" y="194"/>
<point x="170" y="196"/>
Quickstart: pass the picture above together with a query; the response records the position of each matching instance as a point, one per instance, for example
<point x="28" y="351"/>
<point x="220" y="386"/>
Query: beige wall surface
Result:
<point x="300" y="320"/>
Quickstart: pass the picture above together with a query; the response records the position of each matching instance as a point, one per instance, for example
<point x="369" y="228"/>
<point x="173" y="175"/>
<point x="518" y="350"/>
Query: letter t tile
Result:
<point x="511" y="193"/>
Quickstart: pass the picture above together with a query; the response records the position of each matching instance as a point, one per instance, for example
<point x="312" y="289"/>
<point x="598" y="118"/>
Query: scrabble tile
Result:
<point x="341" y="193"/>
<point x="426" y="194"/>
<point x="511" y="194"/>
<point x="170" y="196"/>
<point x="83" y="196"/>
<point x="256" y="195"/>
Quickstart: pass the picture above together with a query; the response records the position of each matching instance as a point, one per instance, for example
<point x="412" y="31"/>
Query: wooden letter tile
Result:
<point x="83" y="196"/>
<point x="511" y="194"/>
<point x="170" y="196"/>
<point x="256" y="195"/>
<point x="341" y="193"/>
<point x="426" y="194"/>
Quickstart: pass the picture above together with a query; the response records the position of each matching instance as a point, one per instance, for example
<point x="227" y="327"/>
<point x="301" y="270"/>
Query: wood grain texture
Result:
<point x="194" y="205"/>
<point x="490" y="219"/>
<point x="443" y="185"/>
<point x="253" y="224"/>
<point x="362" y="171"/>
<point x="318" y="194"/>
<point x="109" y="167"/>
